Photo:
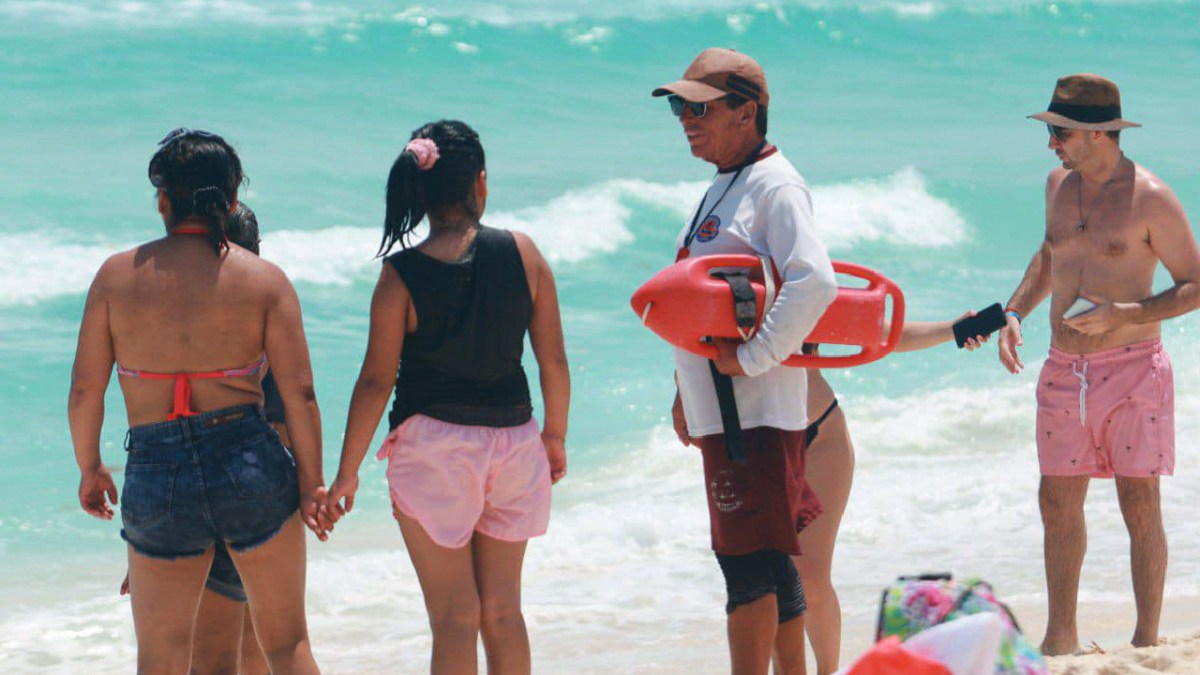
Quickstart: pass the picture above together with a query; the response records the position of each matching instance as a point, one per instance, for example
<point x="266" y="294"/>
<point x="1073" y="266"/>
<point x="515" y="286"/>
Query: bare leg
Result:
<point x="274" y="576"/>
<point x="1065" y="542"/>
<point x="498" y="574"/>
<point x="218" y="635"/>
<point x="447" y="579"/>
<point x="829" y="468"/>
<point x="751" y="630"/>
<point x="252" y="660"/>
<point x="789" y="647"/>
<point x="1141" y="507"/>
<point x="164" y="595"/>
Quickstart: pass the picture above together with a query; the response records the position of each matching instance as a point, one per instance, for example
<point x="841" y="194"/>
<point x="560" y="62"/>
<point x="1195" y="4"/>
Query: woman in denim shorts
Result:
<point x="190" y="323"/>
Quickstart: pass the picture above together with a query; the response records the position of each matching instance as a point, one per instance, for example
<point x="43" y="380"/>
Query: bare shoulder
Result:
<point x="530" y="255"/>
<point x="1055" y="179"/>
<point x="1153" y="197"/>
<point x="117" y="271"/>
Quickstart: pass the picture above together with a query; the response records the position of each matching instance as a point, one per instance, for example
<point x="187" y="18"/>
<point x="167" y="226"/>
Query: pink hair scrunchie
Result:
<point x="426" y="152"/>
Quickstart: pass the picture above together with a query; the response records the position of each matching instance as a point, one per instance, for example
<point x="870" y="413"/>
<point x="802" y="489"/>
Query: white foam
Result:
<point x="126" y="14"/>
<point x="624" y="580"/>
<point x="36" y="267"/>
<point x="897" y="210"/>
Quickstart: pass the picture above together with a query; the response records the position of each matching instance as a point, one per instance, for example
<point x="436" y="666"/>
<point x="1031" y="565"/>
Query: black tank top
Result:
<point x="463" y="363"/>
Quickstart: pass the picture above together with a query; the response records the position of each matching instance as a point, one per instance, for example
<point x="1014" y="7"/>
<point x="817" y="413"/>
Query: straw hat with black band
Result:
<point x="1085" y="101"/>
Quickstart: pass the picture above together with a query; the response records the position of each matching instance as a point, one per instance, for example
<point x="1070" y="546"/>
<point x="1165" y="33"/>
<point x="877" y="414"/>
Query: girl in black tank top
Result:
<point x="469" y="470"/>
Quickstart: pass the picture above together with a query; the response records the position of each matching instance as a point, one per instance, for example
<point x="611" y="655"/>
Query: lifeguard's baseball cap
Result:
<point x="717" y="72"/>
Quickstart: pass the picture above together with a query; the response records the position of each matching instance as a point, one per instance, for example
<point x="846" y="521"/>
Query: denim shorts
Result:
<point x="218" y="476"/>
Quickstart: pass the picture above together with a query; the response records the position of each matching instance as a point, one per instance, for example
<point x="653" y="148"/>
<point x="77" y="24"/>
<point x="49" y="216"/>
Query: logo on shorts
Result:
<point x="709" y="229"/>
<point x="723" y="490"/>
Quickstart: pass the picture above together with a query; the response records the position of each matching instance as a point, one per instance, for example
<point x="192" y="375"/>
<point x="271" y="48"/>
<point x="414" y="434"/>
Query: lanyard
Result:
<point x="694" y="228"/>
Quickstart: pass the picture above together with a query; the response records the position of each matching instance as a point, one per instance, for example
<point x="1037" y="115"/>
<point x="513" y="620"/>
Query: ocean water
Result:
<point x="905" y="117"/>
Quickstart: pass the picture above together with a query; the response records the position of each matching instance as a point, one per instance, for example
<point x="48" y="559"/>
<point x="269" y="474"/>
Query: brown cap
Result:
<point x="717" y="72"/>
<point x="1085" y="101"/>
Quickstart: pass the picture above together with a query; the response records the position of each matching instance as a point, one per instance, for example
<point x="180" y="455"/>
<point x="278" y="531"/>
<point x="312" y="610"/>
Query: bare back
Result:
<point x="174" y="306"/>
<point x="1112" y="257"/>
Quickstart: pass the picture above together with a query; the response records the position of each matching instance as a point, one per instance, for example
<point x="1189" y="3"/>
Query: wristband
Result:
<point x="1013" y="313"/>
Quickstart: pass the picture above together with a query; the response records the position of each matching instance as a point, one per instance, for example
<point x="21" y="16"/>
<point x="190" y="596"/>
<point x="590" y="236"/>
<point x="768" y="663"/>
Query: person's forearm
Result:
<point x="924" y="334"/>
<point x="366" y="407"/>
<point x="1034" y="286"/>
<point x="85" y="414"/>
<point x="555" y="379"/>
<point x="304" y="426"/>
<point x="1179" y="299"/>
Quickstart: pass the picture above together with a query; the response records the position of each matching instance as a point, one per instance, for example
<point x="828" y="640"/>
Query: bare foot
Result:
<point x="1059" y="647"/>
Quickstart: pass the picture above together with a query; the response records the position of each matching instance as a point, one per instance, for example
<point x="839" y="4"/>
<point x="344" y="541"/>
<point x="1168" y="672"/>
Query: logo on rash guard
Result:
<point x="709" y="229"/>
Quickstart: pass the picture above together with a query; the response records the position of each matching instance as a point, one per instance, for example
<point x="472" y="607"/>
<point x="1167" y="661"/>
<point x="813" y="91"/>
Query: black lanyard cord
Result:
<point x="694" y="228"/>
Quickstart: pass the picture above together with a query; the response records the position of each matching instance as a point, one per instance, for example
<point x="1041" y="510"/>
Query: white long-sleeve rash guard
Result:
<point x="767" y="211"/>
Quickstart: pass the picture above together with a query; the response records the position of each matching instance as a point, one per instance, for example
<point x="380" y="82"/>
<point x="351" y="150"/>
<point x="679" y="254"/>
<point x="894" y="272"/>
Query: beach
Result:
<point x="935" y="178"/>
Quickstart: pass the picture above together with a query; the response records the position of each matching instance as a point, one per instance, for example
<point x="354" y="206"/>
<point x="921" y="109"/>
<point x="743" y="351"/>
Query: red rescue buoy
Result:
<point x="685" y="304"/>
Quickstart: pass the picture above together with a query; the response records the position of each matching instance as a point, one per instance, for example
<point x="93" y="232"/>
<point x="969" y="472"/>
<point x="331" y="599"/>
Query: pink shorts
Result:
<point x="456" y="480"/>
<point x="1106" y="413"/>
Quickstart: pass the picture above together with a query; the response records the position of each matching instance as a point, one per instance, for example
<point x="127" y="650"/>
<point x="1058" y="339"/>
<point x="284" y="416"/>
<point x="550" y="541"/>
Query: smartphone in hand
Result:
<point x="1080" y="306"/>
<point x="984" y="323"/>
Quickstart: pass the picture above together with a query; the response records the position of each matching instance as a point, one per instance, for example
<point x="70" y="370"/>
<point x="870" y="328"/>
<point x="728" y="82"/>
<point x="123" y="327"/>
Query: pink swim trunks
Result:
<point x="456" y="480"/>
<point x="1105" y="413"/>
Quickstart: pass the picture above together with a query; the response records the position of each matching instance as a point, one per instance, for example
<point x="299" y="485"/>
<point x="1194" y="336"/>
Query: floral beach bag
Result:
<point x="913" y="604"/>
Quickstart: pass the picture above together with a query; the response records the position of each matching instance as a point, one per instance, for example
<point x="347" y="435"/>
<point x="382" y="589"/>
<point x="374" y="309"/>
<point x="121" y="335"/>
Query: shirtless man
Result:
<point x="1105" y="395"/>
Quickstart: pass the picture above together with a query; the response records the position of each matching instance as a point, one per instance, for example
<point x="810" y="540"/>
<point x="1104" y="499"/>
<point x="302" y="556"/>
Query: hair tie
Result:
<point x="426" y="152"/>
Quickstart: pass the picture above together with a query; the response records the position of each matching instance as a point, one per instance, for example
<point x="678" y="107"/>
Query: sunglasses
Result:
<point x="156" y="176"/>
<point x="182" y="132"/>
<point x="1059" y="133"/>
<point x="679" y="104"/>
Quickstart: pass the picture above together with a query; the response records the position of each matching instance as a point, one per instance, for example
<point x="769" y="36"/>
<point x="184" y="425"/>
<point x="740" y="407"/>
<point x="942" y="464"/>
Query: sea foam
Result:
<point x="896" y="210"/>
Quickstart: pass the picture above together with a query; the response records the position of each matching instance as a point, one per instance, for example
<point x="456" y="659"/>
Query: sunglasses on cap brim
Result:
<point x="183" y="132"/>
<point x="156" y="179"/>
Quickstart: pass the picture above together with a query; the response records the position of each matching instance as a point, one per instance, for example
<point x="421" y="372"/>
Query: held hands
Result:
<point x="312" y="511"/>
<point x="1010" y="339"/>
<point x="94" y="485"/>
<point x="340" y="499"/>
<point x="556" y="452"/>
<point x="1106" y="316"/>
<point x="727" y="360"/>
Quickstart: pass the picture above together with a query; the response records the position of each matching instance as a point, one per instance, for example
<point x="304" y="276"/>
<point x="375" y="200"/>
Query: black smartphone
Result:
<point x="984" y="323"/>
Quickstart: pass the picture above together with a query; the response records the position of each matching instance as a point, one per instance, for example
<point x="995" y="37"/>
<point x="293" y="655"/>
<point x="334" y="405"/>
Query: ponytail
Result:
<point x="405" y="202"/>
<point x="437" y="169"/>
<point x="212" y="203"/>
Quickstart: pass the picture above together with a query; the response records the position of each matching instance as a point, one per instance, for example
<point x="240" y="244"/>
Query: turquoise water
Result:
<point x="905" y="117"/>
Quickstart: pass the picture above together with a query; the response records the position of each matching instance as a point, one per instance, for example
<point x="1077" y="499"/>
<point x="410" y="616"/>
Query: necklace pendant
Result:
<point x="1081" y="226"/>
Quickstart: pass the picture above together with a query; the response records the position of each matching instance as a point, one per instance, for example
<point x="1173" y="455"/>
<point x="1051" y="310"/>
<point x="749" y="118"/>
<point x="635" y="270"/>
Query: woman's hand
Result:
<point x="320" y="521"/>
<point x="344" y="488"/>
<point x="94" y="485"/>
<point x="556" y="452"/>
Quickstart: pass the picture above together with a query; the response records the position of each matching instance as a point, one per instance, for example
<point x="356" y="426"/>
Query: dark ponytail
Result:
<point x="200" y="174"/>
<point x="211" y="202"/>
<point x="418" y="183"/>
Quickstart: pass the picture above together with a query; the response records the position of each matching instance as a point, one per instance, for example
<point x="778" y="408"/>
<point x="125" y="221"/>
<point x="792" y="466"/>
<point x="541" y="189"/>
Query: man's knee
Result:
<point x="1140" y="499"/>
<point x="751" y="577"/>
<point x="1061" y="501"/>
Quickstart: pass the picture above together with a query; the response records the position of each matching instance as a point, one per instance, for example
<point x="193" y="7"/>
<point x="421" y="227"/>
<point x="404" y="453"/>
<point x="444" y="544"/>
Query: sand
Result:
<point x="1179" y="655"/>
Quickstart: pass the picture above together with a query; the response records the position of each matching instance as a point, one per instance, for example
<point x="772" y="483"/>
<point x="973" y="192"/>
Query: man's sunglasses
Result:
<point x="1059" y="133"/>
<point x="184" y="131"/>
<point x="680" y="104"/>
